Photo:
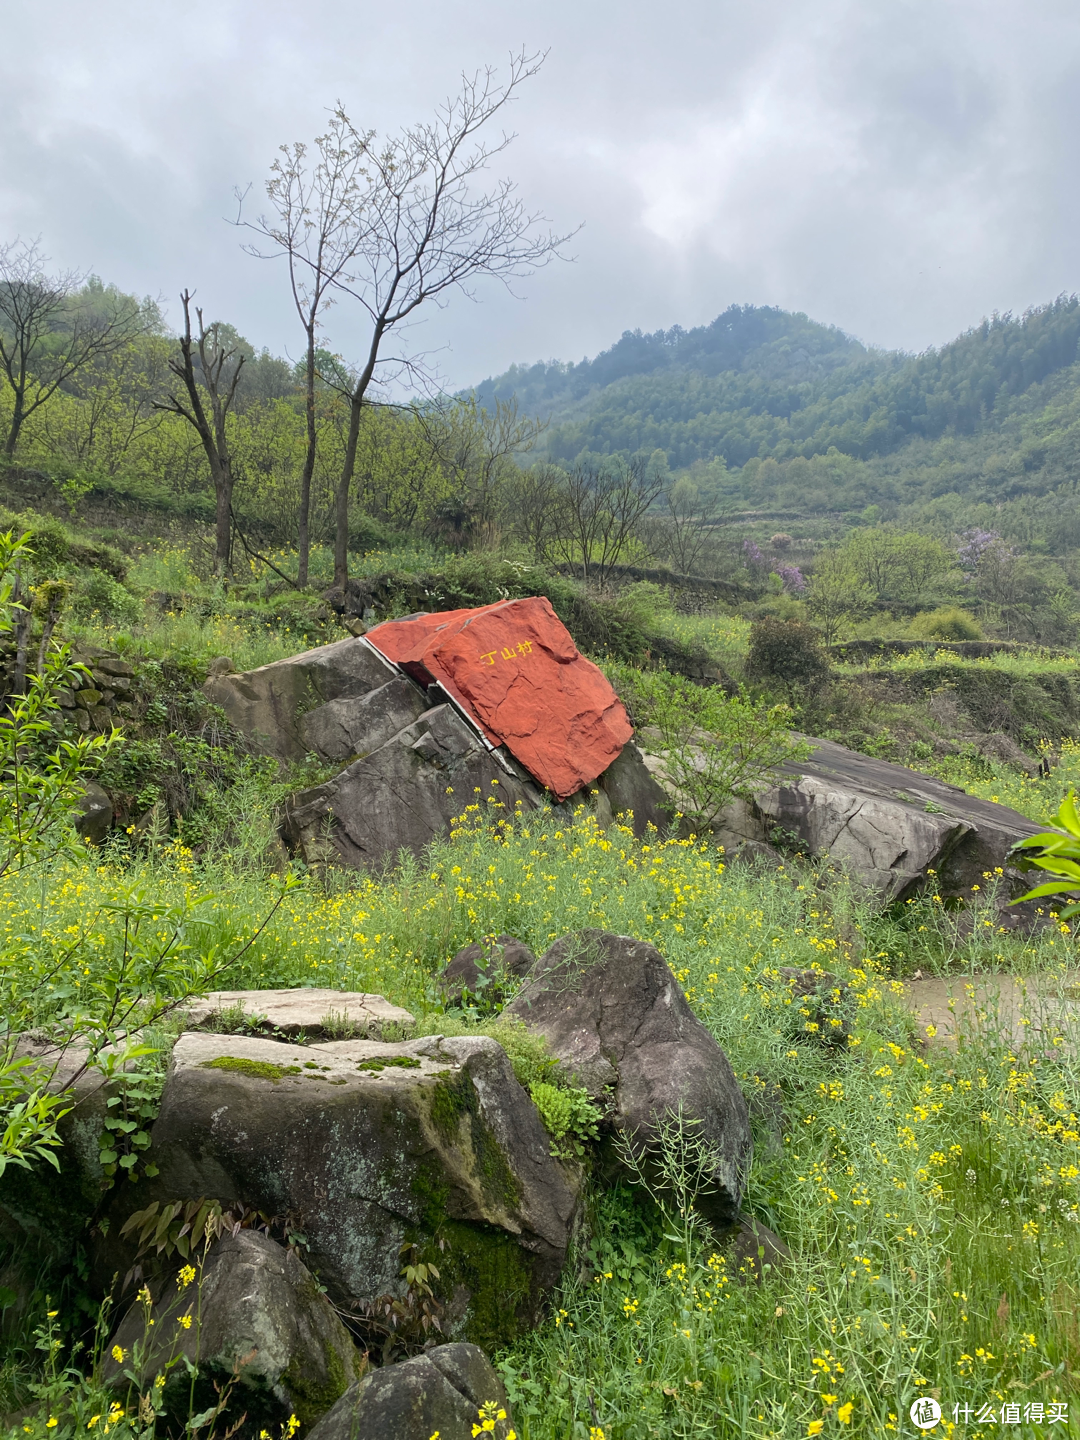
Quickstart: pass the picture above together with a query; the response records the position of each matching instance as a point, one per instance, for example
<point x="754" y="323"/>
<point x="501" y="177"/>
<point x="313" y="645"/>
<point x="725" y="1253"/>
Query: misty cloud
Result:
<point x="897" y="167"/>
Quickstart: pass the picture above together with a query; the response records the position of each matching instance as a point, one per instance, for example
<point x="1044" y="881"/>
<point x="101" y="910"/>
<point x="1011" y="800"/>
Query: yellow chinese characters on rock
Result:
<point x="508" y="652"/>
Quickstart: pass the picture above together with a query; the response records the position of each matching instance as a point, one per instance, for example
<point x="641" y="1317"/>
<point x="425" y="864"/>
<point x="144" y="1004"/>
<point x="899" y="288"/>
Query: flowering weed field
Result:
<point x="930" y="1198"/>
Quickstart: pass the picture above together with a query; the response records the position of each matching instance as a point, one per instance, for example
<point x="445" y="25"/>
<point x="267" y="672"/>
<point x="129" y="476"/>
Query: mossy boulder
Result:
<point x="449" y="1391"/>
<point x="376" y="1146"/>
<point x="253" y="1308"/>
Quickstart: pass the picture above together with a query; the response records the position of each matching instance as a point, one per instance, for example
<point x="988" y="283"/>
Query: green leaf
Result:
<point x="1067" y="815"/>
<point x="1050" y="888"/>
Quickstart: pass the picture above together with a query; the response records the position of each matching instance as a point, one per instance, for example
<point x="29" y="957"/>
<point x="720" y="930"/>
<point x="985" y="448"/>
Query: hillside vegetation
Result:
<point x="885" y="561"/>
<point x="776" y="411"/>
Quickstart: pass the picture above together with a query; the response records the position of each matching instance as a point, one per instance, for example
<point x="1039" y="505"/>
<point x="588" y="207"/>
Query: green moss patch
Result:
<point x="258" y="1069"/>
<point x="453" y="1099"/>
<point x="402" y="1062"/>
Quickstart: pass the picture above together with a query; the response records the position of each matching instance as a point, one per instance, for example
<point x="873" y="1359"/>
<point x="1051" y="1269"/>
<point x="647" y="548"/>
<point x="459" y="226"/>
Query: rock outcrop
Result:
<point x="276" y="707"/>
<point x="613" y="1014"/>
<point x="376" y="1144"/>
<point x="314" y="1014"/>
<point x="253" y="1311"/>
<point x="356" y="725"/>
<point x="403" y="795"/>
<point x="628" y="788"/>
<point x="411" y="761"/>
<point x="891" y="825"/>
<point x="441" y="1392"/>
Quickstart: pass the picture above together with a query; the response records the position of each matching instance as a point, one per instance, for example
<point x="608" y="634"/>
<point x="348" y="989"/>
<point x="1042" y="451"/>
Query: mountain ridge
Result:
<point x="764" y="383"/>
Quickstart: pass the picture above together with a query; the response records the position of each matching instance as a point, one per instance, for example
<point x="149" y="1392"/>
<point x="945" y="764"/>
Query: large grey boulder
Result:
<point x="612" y="1012"/>
<point x="628" y="788"/>
<point x="257" y="1312"/>
<point x="890" y="825"/>
<point x="314" y="1013"/>
<point x="376" y="1144"/>
<point x="404" y="795"/>
<point x="439" y="1393"/>
<point x="272" y="706"/>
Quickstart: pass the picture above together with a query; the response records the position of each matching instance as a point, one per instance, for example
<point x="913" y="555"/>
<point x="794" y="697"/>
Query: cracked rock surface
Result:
<point x="891" y="825"/>
<point x="403" y="795"/>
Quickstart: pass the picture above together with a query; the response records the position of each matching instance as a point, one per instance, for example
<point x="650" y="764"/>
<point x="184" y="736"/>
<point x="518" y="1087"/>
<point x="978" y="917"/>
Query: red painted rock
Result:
<point x="515" y="670"/>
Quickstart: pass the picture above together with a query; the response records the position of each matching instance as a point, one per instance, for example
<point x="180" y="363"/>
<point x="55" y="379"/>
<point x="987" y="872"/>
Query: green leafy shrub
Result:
<point x="786" y="650"/>
<point x="714" y="747"/>
<point x="949" y="622"/>
<point x="645" y="604"/>
<point x="569" y="1116"/>
<point x="99" y="595"/>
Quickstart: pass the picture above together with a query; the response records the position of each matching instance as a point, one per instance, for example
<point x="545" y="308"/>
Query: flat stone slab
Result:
<point x="321" y="1014"/>
<point x="1021" y="1010"/>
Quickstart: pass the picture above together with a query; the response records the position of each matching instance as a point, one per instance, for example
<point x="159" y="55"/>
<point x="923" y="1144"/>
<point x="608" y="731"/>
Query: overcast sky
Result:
<point x="900" y="168"/>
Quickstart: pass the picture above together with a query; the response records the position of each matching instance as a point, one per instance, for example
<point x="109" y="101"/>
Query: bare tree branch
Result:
<point x="48" y="332"/>
<point x="219" y="371"/>
<point x="316" y="208"/>
<point x="408" y="230"/>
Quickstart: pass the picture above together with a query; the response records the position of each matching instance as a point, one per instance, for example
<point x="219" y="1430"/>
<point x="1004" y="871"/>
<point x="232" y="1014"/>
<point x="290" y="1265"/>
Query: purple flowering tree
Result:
<point x="975" y="544"/>
<point x="753" y="556"/>
<point x="792" y="576"/>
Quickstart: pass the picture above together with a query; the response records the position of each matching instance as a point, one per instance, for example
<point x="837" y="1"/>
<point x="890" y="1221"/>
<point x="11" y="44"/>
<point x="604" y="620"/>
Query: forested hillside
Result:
<point x="771" y="409"/>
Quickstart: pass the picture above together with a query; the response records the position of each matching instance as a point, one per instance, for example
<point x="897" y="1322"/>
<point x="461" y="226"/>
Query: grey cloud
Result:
<point x="898" y="167"/>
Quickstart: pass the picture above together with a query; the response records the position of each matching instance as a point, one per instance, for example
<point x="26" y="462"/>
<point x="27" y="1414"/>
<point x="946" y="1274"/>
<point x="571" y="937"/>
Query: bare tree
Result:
<point x="683" y="530"/>
<point x="48" y="331"/>
<point x="598" y="513"/>
<point x="219" y="366"/>
<point x="420" y="232"/>
<point x="536" y="496"/>
<point x="318" y="227"/>
<point x="475" y="447"/>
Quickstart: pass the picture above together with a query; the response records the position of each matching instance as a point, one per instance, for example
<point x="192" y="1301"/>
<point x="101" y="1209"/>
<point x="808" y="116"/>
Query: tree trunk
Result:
<point x="303" y="529"/>
<point x="223" y="488"/>
<point x="15" y="426"/>
<point x="341" y="499"/>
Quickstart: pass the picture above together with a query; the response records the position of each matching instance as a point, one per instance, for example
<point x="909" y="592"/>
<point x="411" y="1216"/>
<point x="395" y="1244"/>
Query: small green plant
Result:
<point x="1058" y="854"/>
<point x="404" y="1323"/>
<point x="570" y="1117"/>
<point x="236" y="1020"/>
<point x="713" y="747"/>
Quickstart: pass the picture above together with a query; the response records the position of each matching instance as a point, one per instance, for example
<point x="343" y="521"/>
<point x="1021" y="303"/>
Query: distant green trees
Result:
<point x="760" y="384"/>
